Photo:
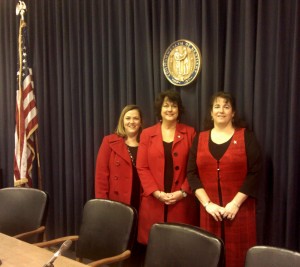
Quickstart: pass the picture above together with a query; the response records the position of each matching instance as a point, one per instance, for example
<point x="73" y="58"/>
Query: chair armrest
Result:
<point x="41" y="229"/>
<point x="56" y="241"/>
<point x="120" y="257"/>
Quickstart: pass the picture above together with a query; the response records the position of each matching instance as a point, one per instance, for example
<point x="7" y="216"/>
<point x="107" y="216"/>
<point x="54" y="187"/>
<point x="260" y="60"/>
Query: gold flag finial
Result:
<point x="20" y="9"/>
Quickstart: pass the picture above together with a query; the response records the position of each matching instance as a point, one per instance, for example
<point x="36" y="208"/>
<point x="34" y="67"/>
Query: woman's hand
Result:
<point x="168" y="198"/>
<point x="230" y="210"/>
<point x="173" y="198"/>
<point x="215" y="211"/>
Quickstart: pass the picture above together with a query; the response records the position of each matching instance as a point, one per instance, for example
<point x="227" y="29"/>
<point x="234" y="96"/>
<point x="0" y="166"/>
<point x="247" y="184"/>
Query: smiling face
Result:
<point x="132" y="122"/>
<point x="222" y="112"/>
<point x="169" y="110"/>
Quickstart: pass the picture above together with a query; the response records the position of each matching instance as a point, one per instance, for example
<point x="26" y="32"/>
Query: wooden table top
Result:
<point x="16" y="253"/>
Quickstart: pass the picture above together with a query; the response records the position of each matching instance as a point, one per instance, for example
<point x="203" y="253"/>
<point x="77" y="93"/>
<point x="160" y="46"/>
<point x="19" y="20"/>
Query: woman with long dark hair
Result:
<point x="223" y="172"/>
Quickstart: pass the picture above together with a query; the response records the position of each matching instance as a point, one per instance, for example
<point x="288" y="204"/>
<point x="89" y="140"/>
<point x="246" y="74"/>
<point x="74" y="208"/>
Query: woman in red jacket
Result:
<point x="223" y="171"/>
<point x="116" y="176"/>
<point x="161" y="164"/>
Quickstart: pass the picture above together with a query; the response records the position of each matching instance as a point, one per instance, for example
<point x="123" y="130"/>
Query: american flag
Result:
<point x="26" y="114"/>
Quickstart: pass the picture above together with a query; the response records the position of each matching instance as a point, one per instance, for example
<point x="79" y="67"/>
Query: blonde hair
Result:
<point x="120" y="130"/>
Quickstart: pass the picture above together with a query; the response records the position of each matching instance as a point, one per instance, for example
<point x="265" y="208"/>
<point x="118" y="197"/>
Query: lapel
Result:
<point x="180" y="133"/>
<point x="118" y="145"/>
<point x="156" y="136"/>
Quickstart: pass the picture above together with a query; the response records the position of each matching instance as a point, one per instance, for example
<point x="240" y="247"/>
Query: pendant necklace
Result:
<point x="131" y="157"/>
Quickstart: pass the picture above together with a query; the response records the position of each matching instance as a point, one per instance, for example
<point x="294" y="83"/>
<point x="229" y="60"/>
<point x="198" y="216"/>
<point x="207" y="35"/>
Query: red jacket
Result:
<point x="113" y="177"/>
<point x="150" y="166"/>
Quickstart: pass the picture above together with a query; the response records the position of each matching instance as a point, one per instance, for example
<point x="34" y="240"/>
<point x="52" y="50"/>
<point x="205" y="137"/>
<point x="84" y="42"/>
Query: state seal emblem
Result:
<point x="182" y="62"/>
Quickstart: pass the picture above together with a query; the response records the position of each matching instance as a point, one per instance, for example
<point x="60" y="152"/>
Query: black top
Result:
<point x="136" y="184"/>
<point x="254" y="162"/>
<point x="168" y="174"/>
<point x="168" y="178"/>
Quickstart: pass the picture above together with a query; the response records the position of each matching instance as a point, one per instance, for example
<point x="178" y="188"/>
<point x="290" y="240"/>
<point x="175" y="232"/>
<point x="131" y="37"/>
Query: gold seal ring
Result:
<point x="182" y="62"/>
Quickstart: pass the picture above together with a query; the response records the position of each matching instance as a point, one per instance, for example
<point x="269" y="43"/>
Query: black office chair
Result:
<point x="178" y="245"/>
<point x="268" y="256"/>
<point x="106" y="235"/>
<point x="23" y="213"/>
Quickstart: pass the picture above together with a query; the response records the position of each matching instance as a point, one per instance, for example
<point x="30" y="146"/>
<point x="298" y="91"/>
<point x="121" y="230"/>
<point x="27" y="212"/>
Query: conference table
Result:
<point x="16" y="253"/>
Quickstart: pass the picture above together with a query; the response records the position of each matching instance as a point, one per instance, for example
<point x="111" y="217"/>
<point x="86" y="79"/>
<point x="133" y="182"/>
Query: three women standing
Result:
<point x="223" y="169"/>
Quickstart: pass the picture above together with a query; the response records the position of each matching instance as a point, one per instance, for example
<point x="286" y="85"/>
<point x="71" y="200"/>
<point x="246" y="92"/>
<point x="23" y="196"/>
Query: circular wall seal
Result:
<point x="182" y="62"/>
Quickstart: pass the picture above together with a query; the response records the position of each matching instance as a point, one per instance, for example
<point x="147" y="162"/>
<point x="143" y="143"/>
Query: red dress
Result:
<point x="222" y="180"/>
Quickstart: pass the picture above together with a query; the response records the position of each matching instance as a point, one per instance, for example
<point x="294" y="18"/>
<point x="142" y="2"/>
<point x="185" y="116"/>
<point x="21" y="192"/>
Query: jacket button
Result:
<point x="177" y="168"/>
<point x="117" y="163"/>
<point x="116" y="177"/>
<point x="175" y="154"/>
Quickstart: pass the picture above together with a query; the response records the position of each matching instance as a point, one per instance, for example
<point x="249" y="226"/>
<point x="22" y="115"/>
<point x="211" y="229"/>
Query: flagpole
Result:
<point x="20" y="10"/>
<point x="40" y="180"/>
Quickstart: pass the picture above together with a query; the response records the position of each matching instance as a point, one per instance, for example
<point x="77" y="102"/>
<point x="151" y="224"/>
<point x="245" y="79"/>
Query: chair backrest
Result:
<point x="108" y="228"/>
<point x="177" y="245"/>
<point x="268" y="256"/>
<point x="23" y="210"/>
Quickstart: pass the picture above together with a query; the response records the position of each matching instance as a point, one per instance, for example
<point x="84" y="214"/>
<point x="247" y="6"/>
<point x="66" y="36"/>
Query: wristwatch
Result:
<point x="184" y="194"/>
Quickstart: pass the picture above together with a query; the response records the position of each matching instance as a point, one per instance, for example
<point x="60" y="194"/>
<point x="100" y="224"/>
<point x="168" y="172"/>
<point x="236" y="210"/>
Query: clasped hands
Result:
<point x="219" y="213"/>
<point x="168" y="198"/>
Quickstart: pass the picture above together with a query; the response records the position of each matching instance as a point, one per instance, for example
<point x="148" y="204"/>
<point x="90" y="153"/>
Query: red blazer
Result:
<point x="113" y="177"/>
<point x="150" y="166"/>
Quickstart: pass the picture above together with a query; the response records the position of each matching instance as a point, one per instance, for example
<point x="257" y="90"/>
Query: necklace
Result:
<point x="131" y="157"/>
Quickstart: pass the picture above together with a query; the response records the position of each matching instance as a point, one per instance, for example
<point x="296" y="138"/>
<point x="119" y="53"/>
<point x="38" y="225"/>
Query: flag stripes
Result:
<point x="26" y="116"/>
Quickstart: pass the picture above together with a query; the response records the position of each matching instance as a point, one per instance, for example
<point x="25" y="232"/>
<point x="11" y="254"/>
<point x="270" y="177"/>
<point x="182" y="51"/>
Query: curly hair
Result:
<point x="172" y="96"/>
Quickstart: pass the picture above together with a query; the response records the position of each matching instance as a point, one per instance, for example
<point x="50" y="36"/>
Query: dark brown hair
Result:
<point x="172" y="96"/>
<point x="237" y="122"/>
